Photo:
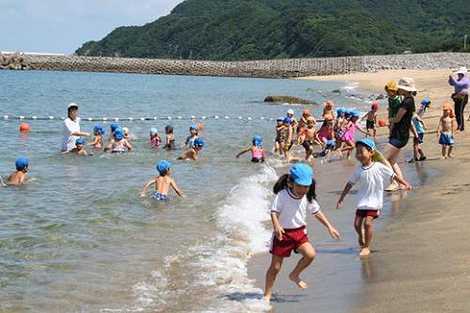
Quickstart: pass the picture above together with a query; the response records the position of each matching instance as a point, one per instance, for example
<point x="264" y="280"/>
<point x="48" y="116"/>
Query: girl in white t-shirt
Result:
<point x="295" y="199"/>
<point x="372" y="178"/>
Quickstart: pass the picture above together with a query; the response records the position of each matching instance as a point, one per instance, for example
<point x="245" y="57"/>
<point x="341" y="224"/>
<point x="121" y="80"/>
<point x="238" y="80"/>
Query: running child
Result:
<point x="326" y="134"/>
<point x="119" y="144"/>
<point x="192" y="154"/>
<point x="445" y="131"/>
<point x="163" y="182"/>
<point x="170" y="142"/>
<point x="308" y="138"/>
<point x="420" y="127"/>
<point x="371" y="120"/>
<point x="303" y="120"/>
<point x="277" y="141"/>
<point x="350" y="133"/>
<point x="295" y="200"/>
<point x="285" y="137"/>
<point x="19" y="177"/>
<point x="372" y="178"/>
<point x="193" y="134"/>
<point x="328" y="110"/>
<point x="293" y="122"/>
<point x="98" y="132"/>
<point x="155" y="140"/>
<point x="257" y="151"/>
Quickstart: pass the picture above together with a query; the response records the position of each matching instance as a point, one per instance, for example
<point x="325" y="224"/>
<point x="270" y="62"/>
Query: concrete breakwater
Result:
<point x="282" y="68"/>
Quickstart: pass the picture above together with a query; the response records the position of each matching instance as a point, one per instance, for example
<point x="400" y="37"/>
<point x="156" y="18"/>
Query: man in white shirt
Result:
<point x="72" y="128"/>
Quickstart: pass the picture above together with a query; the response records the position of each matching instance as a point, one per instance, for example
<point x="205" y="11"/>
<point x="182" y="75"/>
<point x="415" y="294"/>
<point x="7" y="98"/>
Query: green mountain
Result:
<point x="268" y="29"/>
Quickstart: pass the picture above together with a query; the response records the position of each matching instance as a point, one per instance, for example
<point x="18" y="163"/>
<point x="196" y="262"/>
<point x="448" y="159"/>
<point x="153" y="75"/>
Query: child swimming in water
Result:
<point x="257" y="151"/>
<point x="98" y="132"/>
<point x="155" y="140"/>
<point x="192" y="154"/>
<point x="193" y="134"/>
<point x="19" y="177"/>
<point x="118" y="144"/>
<point x="170" y="138"/>
<point x="371" y="120"/>
<point x="112" y="128"/>
<point x="163" y="182"/>
<point x="295" y="200"/>
<point x="445" y="131"/>
<point x="372" y="177"/>
<point x="79" y="147"/>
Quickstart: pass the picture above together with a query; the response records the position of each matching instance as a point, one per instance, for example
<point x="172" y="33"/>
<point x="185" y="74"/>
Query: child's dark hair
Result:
<point x="163" y="173"/>
<point x="168" y="129"/>
<point x="282" y="182"/>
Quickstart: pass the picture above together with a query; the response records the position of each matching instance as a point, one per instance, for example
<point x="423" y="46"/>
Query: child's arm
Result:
<point x="365" y="116"/>
<point x="402" y="182"/>
<point x="94" y="142"/>
<point x="317" y="140"/>
<point x="452" y="126"/>
<point x="128" y="145"/>
<point x="439" y="127"/>
<point x="243" y="152"/>
<point x="278" y="230"/>
<point x="147" y="185"/>
<point x="176" y="189"/>
<point x="346" y="190"/>
<point x="324" y="220"/>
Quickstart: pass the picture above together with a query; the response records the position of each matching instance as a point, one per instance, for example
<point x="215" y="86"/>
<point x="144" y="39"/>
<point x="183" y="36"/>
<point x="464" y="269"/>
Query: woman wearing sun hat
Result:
<point x="460" y="96"/>
<point x="400" y="125"/>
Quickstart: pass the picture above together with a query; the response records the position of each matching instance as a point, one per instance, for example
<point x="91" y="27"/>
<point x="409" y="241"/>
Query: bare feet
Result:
<point x="365" y="252"/>
<point x="299" y="282"/>
<point x="267" y="299"/>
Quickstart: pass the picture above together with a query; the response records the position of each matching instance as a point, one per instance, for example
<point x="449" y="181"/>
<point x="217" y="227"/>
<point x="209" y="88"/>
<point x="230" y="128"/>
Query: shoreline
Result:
<point x="420" y="259"/>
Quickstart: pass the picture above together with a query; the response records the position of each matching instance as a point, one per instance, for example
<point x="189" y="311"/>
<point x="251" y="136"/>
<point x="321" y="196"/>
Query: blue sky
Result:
<point x="61" y="26"/>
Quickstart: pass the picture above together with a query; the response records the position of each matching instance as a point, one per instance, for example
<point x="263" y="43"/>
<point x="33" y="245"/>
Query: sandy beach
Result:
<point x="421" y="251"/>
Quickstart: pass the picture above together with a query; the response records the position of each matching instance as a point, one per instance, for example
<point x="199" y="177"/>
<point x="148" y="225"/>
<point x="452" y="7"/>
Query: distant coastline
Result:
<point x="279" y="68"/>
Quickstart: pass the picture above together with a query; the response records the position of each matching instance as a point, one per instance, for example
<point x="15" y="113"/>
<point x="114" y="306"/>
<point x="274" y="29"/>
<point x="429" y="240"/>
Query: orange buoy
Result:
<point x="25" y="128"/>
<point x="382" y="123"/>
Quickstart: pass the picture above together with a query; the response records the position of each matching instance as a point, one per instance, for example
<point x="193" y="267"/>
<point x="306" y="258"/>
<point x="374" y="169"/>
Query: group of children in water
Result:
<point x="295" y="194"/>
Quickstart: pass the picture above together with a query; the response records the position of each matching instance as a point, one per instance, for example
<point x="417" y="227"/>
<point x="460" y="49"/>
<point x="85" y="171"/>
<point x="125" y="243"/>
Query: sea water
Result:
<point x="78" y="238"/>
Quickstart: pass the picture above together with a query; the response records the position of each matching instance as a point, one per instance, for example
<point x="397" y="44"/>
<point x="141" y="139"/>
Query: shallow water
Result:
<point x="79" y="239"/>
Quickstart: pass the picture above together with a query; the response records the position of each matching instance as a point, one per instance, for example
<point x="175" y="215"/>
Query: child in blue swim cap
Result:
<point x="79" y="148"/>
<point x="98" y="132"/>
<point x="18" y="177"/>
<point x="193" y="153"/>
<point x="193" y="134"/>
<point x="257" y="151"/>
<point x="119" y="144"/>
<point x="163" y="182"/>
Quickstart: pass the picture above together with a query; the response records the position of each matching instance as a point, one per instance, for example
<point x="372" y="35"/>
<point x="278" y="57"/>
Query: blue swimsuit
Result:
<point x="159" y="196"/>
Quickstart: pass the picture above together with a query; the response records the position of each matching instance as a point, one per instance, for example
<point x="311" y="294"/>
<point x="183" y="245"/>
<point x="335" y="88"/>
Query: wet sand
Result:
<point x="421" y="252"/>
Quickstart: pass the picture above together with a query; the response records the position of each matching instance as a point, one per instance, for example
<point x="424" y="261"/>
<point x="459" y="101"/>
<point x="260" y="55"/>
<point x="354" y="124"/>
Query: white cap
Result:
<point x="463" y="70"/>
<point x="290" y="111"/>
<point x="72" y="105"/>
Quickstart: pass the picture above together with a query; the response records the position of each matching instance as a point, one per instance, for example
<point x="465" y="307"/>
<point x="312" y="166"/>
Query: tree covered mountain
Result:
<point x="268" y="29"/>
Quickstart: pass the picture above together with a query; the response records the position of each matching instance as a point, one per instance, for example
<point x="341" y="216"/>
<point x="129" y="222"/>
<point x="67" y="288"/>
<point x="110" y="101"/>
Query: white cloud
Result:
<point x="63" y="25"/>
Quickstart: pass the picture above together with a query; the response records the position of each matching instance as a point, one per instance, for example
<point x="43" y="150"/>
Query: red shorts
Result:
<point x="365" y="213"/>
<point x="291" y="240"/>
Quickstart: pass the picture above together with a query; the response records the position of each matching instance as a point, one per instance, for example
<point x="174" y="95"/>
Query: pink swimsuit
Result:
<point x="350" y="133"/>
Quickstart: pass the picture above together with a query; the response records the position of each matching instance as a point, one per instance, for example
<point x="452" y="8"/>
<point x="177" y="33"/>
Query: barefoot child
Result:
<point x="295" y="200"/>
<point x="371" y="120"/>
<point x="420" y="127"/>
<point x="308" y="138"/>
<point x="350" y="133"/>
<point x="163" y="182"/>
<point x="98" y="132"/>
<point x="277" y="141"/>
<point x="193" y="153"/>
<point x="18" y="178"/>
<point x="371" y="177"/>
<point x="257" y="151"/>
<point x="445" y="131"/>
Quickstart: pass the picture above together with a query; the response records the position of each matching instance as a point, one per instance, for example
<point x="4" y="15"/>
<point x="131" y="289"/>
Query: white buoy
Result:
<point x="203" y="117"/>
<point x="169" y="118"/>
<point x="193" y="117"/>
<point x="21" y="117"/>
<point x="216" y="117"/>
<point x="142" y="118"/>
<point x="131" y="119"/>
<point x="51" y="117"/>
<point x="90" y="119"/>
<point x="262" y="118"/>
<point x="155" y="118"/>
<point x="5" y="117"/>
<point x="116" y="119"/>
<point x="180" y="117"/>
<point x="35" y="117"/>
<point x="227" y="117"/>
<point x="249" y="118"/>
<point x="105" y="119"/>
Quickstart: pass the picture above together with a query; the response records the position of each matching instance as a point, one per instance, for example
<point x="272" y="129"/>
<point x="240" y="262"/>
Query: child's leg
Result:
<point x="358" y="222"/>
<point x="444" y="152"/>
<point x="368" y="232"/>
<point x="271" y="274"/>
<point x="449" y="152"/>
<point x="308" y="255"/>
